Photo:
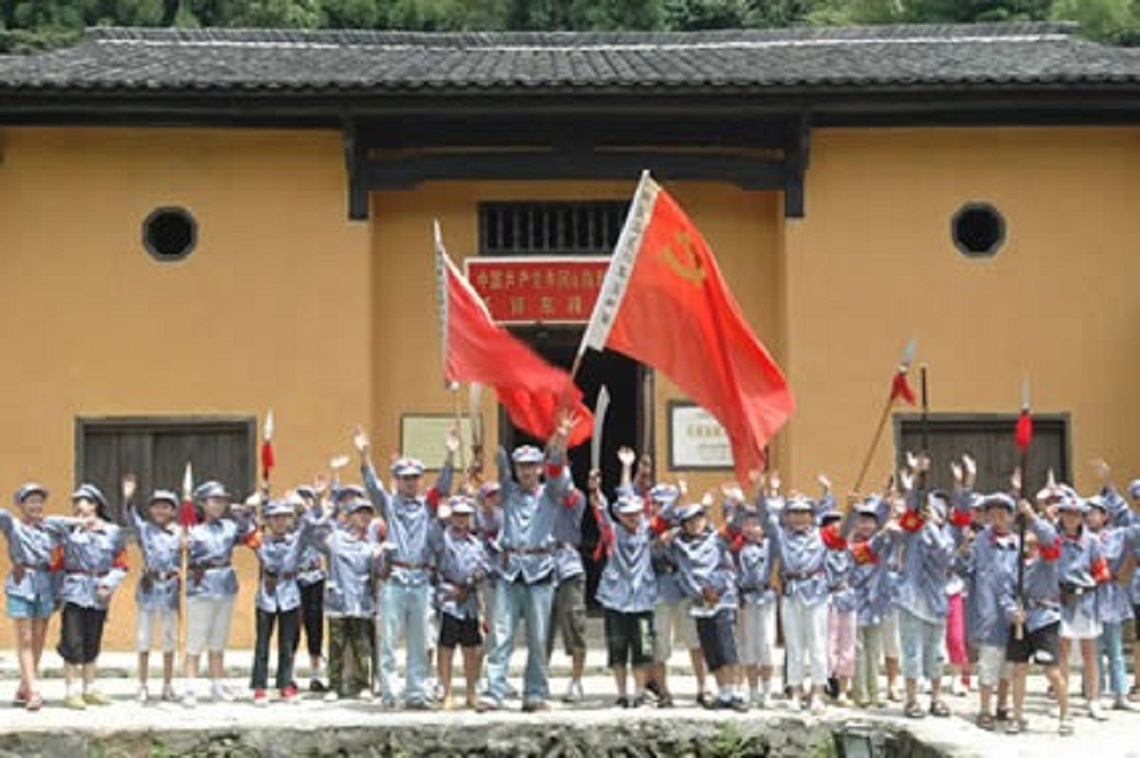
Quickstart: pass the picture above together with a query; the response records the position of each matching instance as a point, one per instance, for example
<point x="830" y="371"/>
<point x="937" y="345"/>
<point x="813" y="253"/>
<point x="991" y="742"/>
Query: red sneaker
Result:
<point x="290" y="694"/>
<point x="260" y="697"/>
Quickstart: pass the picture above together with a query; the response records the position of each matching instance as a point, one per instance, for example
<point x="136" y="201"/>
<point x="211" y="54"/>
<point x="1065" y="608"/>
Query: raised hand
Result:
<point x="1015" y="479"/>
<point x="1026" y="509"/>
<point x="594" y="481"/>
<point x="1103" y="472"/>
<point x="627" y="456"/>
<point x="824" y="482"/>
<point x="971" y="469"/>
<point x="774" y="482"/>
<point x="320" y="485"/>
<point x="130" y="486"/>
<point x="906" y="480"/>
<point x="956" y="470"/>
<point x="452" y="441"/>
<point x="732" y="492"/>
<point x="340" y="461"/>
<point x="360" y="440"/>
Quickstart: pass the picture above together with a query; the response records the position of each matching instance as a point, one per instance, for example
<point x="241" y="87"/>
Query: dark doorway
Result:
<point x="628" y="422"/>
<point x="156" y="451"/>
<point x="989" y="439"/>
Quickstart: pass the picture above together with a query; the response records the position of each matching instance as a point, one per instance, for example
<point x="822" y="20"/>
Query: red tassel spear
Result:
<point x="268" y="459"/>
<point x="1022" y="436"/>
<point x="900" y="389"/>
<point x="187" y="515"/>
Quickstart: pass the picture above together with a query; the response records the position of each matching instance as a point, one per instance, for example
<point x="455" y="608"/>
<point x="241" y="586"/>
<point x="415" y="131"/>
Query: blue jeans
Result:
<point x="1112" y="647"/>
<point x="515" y="601"/>
<point x="403" y="609"/>
<point x="921" y="641"/>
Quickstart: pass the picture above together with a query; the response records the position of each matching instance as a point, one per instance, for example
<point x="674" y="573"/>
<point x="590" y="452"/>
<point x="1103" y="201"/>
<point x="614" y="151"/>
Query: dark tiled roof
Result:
<point x="1024" y="55"/>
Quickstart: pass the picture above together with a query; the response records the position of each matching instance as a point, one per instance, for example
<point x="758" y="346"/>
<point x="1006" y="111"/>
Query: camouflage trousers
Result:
<point x="350" y="640"/>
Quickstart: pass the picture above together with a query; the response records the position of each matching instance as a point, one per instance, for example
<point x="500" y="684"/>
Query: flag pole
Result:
<point x="898" y="388"/>
<point x="457" y="409"/>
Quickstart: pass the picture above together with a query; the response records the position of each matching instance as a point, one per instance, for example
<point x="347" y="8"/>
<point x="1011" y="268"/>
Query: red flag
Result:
<point x="663" y="302"/>
<point x="477" y="350"/>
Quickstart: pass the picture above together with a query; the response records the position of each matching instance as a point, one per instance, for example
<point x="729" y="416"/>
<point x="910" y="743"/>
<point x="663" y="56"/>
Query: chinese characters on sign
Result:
<point x="554" y="290"/>
<point x="696" y="439"/>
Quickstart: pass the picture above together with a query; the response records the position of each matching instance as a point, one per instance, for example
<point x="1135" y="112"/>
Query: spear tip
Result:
<point x="909" y="352"/>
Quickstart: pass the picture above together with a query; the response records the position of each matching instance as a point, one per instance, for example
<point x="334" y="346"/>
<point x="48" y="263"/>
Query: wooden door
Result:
<point x="156" y="451"/>
<point x="989" y="439"/>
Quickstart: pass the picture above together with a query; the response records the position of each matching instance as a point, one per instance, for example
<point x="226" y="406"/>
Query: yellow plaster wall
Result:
<point x="873" y="264"/>
<point x="271" y="310"/>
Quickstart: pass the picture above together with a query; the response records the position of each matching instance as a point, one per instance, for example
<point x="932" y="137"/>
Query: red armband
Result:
<point x="831" y="538"/>
<point x="1050" y="552"/>
<point x="252" y="540"/>
<point x="738" y="543"/>
<point x="960" y="518"/>
<point x="863" y="554"/>
<point x="57" y="559"/>
<point x="911" y="521"/>
<point x="554" y="470"/>
<point x="727" y="534"/>
<point x="433" y="497"/>
<point x="571" y="499"/>
<point x="659" y="525"/>
<point x="1100" y="572"/>
<point x="120" y="561"/>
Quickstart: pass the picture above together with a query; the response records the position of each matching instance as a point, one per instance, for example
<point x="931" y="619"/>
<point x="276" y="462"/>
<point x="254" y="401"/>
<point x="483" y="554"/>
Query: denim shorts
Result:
<point x="22" y="608"/>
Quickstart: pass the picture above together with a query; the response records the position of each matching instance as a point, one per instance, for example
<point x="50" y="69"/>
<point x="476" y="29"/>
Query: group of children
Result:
<point x="909" y="575"/>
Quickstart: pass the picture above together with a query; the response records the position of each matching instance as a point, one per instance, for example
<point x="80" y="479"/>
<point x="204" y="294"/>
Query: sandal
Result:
<point x="1002" y="714"/>
<point x="939" y="709"/>
<point x="914" y="711"/>
<point x="985" y="722"/>
<point x="1065" y="728"/>
<point x="35" y="702"/>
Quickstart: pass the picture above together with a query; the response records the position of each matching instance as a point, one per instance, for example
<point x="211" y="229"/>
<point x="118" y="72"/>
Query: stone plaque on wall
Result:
<point x="696" y="439"/>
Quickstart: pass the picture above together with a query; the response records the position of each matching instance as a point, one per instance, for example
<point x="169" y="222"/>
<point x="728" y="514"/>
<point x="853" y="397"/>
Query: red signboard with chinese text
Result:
<point x="534" y="290"/>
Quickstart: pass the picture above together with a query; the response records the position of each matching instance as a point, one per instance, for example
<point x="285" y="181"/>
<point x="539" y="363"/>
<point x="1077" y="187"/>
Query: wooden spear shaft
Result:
<point x="874" y="443"/>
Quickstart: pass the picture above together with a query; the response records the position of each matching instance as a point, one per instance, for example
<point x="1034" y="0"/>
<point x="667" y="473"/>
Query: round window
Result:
<point x="978" y="230"/>
<point x="170" y="234"/>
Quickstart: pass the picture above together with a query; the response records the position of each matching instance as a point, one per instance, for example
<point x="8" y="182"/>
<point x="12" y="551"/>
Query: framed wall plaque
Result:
<point x="696" y="439"/>
<point x="422" y="436"/>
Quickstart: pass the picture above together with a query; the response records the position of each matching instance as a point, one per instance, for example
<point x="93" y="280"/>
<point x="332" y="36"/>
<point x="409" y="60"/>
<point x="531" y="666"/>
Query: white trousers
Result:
<point x="805" y="638"/>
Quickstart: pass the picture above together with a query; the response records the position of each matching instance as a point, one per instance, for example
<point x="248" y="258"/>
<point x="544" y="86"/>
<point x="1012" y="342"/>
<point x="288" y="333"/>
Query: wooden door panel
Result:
<point x="990" y="440"/>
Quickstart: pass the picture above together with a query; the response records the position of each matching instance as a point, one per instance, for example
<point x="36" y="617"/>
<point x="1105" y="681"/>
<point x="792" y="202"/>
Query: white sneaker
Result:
<point x="142" y="695"/>
<point x="843" y="701"/>
<point x="331" y="696"/>
<point x="574" y="692"/>
<point x="366" y="696"/>
<point x="1123" y="704"/>
<point x="1095" y="711"/>
<point x="796" y="703"/>
<point x="817" y="706"/>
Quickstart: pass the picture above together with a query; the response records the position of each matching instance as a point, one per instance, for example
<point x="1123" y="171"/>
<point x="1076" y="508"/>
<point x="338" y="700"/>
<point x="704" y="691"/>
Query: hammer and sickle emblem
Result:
<point x="684" y="259"/>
